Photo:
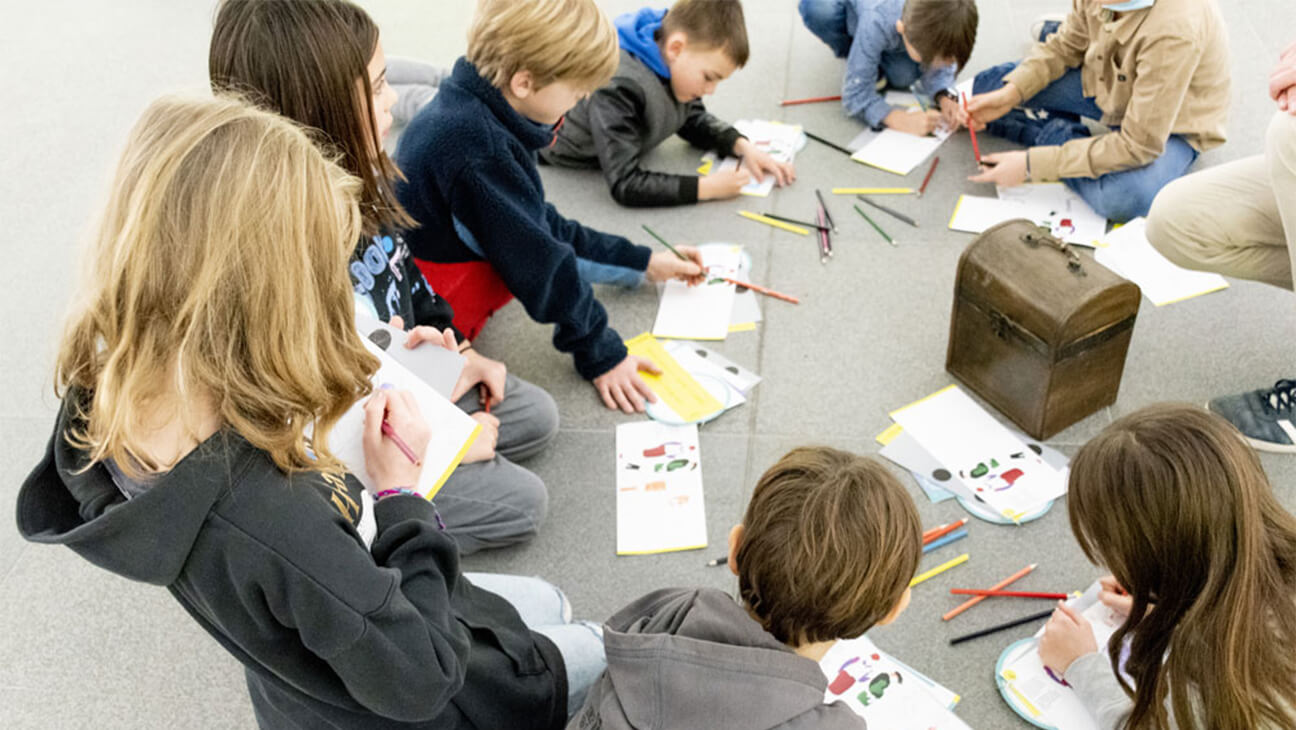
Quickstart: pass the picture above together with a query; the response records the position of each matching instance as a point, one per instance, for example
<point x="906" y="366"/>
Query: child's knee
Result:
<point x="992" y="78"/>
<point x="1280" y="139"/>
<point x="1122" y="205"/>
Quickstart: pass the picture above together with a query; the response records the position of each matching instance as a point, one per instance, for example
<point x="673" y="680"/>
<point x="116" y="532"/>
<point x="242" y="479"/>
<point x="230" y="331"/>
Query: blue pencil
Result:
<point x="942" y="542"/>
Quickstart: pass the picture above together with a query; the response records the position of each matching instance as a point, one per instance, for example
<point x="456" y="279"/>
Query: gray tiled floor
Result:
<point x="80" y="648"/>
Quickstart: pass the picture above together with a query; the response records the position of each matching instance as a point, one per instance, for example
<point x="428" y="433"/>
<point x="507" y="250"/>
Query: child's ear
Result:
<point x="898" y="608"/>
<point x="675" y="44"/>
<point x="735" y="539"/>
<point x="522" y="84"/>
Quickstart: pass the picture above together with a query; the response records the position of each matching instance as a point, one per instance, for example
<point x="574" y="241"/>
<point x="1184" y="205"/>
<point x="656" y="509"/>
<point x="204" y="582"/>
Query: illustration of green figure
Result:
<point x="672" y="465"/>
<point x="877" y="686"/>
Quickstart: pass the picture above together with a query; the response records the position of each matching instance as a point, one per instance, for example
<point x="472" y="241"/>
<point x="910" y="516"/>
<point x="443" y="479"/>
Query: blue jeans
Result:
<point x="1119" y="196"/>
<point x="545" y="609"/>
<point x="593" y="272"/>
<point x="827" y="20"/>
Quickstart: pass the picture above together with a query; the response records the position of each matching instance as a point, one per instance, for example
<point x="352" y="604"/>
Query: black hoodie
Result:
<point x="332" y="635"/>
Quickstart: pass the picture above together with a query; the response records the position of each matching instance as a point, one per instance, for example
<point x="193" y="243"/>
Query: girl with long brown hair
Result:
<point x="321" y="63"/>
<point x="214" y="327"/>
<point x="1203" y="562"/>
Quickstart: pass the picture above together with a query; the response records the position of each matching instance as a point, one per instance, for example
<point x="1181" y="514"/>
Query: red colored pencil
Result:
<point x="483" y="393"/>
<point x="811" y="100"/>
<point x="923" y="188"/>
<point x="400" y="443"/>
<point x="976" y="150"/>
<point x="1007" y="594"/>
<point x="936" y="532"/>
<point x="763" y="290"/>
<point x="969" y="603"/>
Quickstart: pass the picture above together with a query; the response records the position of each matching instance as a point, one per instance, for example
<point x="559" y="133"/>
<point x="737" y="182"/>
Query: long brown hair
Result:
<point x="304" y="59"/>
<point x="217" y="273"/>
<point x="1177" y="506"/>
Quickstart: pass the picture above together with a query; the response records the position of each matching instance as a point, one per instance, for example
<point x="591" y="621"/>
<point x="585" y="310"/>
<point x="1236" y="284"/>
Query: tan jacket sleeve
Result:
<point x="1154" y="92"/>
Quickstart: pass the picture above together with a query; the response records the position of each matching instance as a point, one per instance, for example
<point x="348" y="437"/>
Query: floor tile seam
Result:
<point x="13" y="566"/>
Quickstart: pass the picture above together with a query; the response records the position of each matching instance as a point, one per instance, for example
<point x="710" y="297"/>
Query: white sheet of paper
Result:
<point x="981" y="452"/>
<point x="1128" y="253"/>
<point x="1053" y="205"/>
<point x="862" y="140"/>
<point x="453" y="431"/>
<point x="659" y="489"/>
<point x="1056" y="703"/>
<point x="701" y="312"/>
<point x="436" y="365"/>
<point x="885" y="692"/>
<point x="778" y="140"/>
<point x="899" y="152"/>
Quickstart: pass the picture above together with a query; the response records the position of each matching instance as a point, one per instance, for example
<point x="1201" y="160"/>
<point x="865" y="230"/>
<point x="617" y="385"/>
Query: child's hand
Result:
<point x="1282" y="81"/>
<point x="665" y="265"/>
<point x="1114" y="596"/>
<point x="759" y="164"/>
<point x="917" y="123"/>
<point x="483" y="449"/>
<point x="388" y="466"/>
<point x="1003" y="168"/>
<point x="723" y="185"/>
<point x="952" y="113"/>
<point x="985" y="108"/>
<point x="481" y="369"/>
<point x="1067" y="637"/>
<point x="421" y="334"/>
<point x="621" y="387"/>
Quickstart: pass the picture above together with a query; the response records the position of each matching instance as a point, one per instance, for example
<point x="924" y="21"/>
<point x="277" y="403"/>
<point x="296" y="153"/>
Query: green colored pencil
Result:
<point x="876" y="227"/>
<point x="673" y="250"/>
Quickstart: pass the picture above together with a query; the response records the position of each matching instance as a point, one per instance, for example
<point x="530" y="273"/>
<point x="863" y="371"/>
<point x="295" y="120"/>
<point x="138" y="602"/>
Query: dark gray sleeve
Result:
<point x="616" y="114"/>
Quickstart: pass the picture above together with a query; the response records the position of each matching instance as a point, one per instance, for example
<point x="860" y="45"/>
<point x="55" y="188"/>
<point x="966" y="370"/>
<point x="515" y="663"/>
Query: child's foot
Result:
<point x="1045" y="26"/>
<point x="1263" y="416"/>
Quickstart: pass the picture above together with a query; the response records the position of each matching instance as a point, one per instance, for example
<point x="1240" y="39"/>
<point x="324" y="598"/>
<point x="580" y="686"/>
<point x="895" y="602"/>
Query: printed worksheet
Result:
<point x="1126" y="252"/>
<point x="659" y="489"/>
<point x="780" y="141"/>
<point x="885" y="692"/>
<point x="1050" y="205"/>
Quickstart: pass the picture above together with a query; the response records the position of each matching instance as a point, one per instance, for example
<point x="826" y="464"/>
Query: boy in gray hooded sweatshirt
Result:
<point x="696" y="658"/>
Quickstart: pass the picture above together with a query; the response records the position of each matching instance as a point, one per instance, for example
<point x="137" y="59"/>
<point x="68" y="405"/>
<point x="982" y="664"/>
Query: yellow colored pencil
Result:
<point x="872" y="191"/>
<point x="771" y="222"/>
<point x="939" y="569"/>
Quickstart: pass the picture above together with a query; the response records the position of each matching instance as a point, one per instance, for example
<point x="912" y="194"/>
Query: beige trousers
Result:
<point x="1237" y="219"/>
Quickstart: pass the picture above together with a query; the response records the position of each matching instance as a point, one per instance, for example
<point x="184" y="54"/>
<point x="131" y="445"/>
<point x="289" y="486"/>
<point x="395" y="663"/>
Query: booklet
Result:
<point x="659" y="489"/>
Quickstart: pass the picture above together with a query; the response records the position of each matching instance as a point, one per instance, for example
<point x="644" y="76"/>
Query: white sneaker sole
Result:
<point x="1260" y="444"/>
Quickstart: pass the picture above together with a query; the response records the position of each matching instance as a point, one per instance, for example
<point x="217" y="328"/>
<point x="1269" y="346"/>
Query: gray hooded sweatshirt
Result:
<point x="694" y="658"/>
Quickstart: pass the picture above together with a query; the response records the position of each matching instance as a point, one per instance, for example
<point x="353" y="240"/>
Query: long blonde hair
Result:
<point x="218" y="271"/>
<point x="1176" y="505"/>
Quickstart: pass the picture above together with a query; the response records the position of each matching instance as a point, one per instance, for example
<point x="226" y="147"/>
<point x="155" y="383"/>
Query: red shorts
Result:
<point x="471" y="287"/>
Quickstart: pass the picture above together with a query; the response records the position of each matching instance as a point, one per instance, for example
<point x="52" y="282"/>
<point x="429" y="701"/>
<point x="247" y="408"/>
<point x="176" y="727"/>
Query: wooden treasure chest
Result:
<point x="1037" y="332"/>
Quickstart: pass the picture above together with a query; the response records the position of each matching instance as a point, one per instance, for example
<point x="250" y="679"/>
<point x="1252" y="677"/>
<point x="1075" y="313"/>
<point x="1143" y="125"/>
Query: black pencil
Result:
<point x="718" y="561"/>
<point x="1001" y="627"/>
<point x="794" y="221"/>
<point x="823" y="141"/>
<point x="827" y="215"/>
<point x="893" y="213"/>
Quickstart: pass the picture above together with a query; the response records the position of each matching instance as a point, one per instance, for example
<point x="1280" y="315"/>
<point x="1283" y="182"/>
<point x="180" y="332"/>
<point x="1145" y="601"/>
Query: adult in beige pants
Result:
<point x="1239" y="219"/>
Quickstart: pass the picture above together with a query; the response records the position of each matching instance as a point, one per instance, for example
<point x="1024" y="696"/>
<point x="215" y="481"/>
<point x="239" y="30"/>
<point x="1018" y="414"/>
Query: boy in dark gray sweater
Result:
<point x="669" y="61"/>
<point x="698" y="658"/>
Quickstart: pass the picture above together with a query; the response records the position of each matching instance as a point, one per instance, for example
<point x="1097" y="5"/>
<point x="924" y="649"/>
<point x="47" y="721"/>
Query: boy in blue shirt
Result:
<point x="901" y="43"/>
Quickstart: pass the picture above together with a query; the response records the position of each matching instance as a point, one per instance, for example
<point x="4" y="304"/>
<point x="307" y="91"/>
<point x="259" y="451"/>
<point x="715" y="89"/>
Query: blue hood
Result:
<point x="635" y="30"/>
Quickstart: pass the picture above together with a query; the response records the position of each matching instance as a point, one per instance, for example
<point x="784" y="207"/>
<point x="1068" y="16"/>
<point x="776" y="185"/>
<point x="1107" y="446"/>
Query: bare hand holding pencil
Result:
<point x="388" y="451"/>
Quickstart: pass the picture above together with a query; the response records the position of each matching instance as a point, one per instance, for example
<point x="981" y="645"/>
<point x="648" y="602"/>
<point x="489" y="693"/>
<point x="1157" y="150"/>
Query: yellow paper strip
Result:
<point x="454" y="464"/>
<point x="1030" y="707"/>
<point x="663" y="550"/>
<point x="743" y="327"/>
<point x="921" y="400"/>
<point x="872" y="191"/>
<point x="771" y="222"/>
<point x="680" y="390"/>
<point x="939" y="569"/>
<point x="954" y="215"/>
<point x="889" y="435"/>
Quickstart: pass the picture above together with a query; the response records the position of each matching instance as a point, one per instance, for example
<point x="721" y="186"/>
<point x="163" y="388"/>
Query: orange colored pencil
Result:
<point x="763" y="290"/>
<point x="936" y="532"/>
<point x="997" y="586"/>
<point x="811" y="100"/>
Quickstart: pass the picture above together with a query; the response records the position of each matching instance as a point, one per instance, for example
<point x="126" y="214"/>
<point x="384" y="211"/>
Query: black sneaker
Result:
<point x="1263" y="416"/>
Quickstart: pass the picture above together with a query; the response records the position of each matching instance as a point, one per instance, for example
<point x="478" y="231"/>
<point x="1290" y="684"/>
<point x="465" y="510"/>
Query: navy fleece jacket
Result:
<point x="470" y="160"/>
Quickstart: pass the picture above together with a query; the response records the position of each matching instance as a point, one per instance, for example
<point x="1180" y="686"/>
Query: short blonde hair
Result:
<point x="217" y="272"/>
<point x="556" y="40"/>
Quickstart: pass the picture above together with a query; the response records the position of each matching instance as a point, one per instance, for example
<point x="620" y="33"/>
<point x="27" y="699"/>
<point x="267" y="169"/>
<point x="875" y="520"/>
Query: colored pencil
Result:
<point x="718" y="561"/>
<point x="390" y="433"/>
<point x="890" y="211"/>
<point x="831" y="144"/>
<point x="763" y="290"/>
<point x="663" y="242"/>
<point x="976" y="150"/>
<point x="771" y="222"/>
<point x="923" y="188"/>
<point x="876" y="227"/>
<point x="941" y="542"/>
<point x="1001" y="627"/>
<point x="939" y="569"/>
<point x="935" y="532"/>
<point x="872" y="191"/>
<point x="1007" y="594"/>
<point x="827" y="214"/>
<point x="483" y="394"/>
<point x="824" y="252"/>
<point x="997" y="586"/>
<point x="811" y="100"/>
<point x="795" y="222"/>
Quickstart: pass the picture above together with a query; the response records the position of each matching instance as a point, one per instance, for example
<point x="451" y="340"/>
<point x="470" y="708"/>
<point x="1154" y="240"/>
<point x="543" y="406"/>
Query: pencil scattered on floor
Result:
<point x="890" y="211"/>
<point x="771" y="222"/>
<point x="876" y="227"/>
<point x="939" y="569"/>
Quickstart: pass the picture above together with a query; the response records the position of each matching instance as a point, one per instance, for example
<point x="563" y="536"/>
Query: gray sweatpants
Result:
<point x="494" y="503"/>
<point x="415" y="83"/>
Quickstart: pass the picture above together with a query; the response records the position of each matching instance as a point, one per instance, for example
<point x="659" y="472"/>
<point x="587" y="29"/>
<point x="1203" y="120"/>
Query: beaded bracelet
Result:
<point x="393" y="492"/>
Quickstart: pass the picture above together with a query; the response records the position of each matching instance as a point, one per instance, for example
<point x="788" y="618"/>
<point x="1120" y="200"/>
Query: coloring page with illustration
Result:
<point x="659" y="489"/>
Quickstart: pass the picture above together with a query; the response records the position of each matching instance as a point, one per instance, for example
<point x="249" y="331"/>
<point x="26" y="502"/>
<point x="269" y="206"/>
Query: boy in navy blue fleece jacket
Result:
<point x="470" y="158"/>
